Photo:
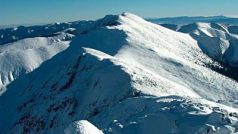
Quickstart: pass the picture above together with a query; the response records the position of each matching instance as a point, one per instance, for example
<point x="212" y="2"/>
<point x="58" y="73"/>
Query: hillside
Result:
<point x="23" y="56"/>
<point x="218" y="41"/>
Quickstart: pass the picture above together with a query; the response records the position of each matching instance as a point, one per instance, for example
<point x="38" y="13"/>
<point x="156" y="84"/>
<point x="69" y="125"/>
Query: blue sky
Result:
<point x="44" y="11"/>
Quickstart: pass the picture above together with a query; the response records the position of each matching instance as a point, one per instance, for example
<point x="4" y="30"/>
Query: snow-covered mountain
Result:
<point x="188" y="20"/>
<point x="218" y="41"/>
<point x="23" y="56"/>
<point x="215" y="40"/>
<point x="11" y="34"/>
<point x="123" y="75"/>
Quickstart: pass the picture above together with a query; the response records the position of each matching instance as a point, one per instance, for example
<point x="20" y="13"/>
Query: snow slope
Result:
<point x="25" y="55"/>
<point x="82" y="127"/>
<point x="215" y="40"/>
<point x="124" y="75"/>
<point x="218" y="41"/>
<point x="166" y="115"/>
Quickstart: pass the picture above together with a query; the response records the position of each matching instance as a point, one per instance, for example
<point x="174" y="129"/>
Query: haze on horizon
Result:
<point x="45" y="11"/>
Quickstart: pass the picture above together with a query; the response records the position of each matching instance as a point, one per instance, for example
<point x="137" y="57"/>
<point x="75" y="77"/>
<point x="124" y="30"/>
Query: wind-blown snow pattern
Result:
<point x="123" y="75"/>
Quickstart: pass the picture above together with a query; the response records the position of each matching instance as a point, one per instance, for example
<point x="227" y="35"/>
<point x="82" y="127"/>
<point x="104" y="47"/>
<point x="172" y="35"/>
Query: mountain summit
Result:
<point x="123" y="75"/>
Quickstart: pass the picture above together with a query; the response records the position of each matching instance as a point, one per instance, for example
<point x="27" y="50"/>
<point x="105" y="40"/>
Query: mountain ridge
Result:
<point x="188" y="20"/>
<point x="142" y="70"/>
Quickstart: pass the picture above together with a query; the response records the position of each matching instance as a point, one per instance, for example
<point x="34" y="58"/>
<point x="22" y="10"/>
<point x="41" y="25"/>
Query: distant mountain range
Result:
<point x="187" y="20"/>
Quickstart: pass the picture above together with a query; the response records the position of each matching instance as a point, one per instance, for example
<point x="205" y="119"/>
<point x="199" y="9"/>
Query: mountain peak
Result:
<point x="113" y="20"/>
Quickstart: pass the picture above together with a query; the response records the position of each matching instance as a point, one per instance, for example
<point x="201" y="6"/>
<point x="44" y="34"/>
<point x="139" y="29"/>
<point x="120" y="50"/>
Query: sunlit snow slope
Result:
<point x="218" y="41"/>
<point x="215" y="40"/>
<point x="123" y="75"/>
<point x="23" y="56"/>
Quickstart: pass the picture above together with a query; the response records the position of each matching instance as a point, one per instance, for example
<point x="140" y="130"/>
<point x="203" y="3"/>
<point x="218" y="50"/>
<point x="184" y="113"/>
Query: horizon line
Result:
<point x="146" y="18"/>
